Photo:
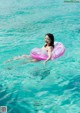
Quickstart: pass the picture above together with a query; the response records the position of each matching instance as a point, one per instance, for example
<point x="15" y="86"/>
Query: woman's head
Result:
<point x="49" y="39"/>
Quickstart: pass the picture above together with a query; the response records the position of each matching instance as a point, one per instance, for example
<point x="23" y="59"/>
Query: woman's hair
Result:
<point x="51" y="38"/>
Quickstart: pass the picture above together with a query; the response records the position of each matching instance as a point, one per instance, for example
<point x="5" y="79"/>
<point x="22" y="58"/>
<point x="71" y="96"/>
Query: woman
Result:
<point x="49" y="46"/>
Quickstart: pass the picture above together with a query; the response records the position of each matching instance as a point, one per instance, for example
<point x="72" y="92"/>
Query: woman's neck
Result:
<point x="47" y="44"/>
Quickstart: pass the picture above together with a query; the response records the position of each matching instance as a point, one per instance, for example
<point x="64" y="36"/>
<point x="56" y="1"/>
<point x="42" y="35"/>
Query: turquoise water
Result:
<point x="33" y="87"/>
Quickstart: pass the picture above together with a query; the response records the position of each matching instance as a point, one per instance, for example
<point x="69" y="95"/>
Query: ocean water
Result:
<point x="32" y="87"/>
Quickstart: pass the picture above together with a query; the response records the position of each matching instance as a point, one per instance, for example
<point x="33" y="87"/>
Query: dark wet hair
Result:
<point x="51" y="36"/>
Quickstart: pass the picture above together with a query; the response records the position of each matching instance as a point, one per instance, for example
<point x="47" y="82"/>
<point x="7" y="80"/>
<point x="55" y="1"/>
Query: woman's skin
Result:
<point x="48" y="48"/>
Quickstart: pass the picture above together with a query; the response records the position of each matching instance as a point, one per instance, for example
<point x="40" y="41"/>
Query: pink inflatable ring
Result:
<point x="40" y="54"/>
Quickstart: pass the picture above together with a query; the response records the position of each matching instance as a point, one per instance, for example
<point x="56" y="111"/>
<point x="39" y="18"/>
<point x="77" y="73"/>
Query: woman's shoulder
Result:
<point x="50" y="48"/>
<point x="43" y="47"/>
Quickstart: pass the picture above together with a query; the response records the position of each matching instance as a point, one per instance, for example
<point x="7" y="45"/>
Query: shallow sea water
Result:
<point x="32" y="87"/>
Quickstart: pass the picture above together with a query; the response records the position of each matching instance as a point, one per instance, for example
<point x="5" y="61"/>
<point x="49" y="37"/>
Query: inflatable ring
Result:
<point x="40" y="54"/>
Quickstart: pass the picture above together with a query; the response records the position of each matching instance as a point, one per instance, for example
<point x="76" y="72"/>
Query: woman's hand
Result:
<point x="44" y="62"/>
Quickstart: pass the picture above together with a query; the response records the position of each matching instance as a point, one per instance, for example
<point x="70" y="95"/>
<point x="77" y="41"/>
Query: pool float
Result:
<point x="40" y="54"/>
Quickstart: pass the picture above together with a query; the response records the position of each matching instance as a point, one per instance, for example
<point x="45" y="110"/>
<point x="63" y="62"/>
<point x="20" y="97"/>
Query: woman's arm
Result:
<point x="49" y="54"/>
